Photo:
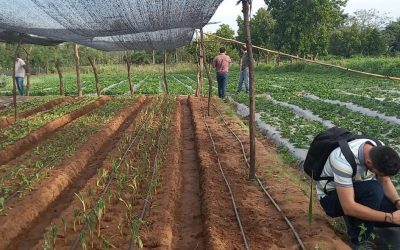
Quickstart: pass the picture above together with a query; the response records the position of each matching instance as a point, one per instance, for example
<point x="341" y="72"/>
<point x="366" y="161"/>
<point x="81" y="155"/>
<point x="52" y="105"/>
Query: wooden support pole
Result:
<point x="246" y="17"/>
<point x="78" y="70"/>
<point x="96" y="75"/>
<point x="165" y="72"/>
<point x="60" y="76"/>
<point x="207" y="69"/>
<point x="14" y="80"/>
<point x="28" y="76"/>
<point x="200" y="59"/>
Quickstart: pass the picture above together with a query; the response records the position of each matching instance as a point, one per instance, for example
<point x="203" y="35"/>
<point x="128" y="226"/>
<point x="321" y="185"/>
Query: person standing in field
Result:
<point x="244" y="71"/>
<point x="221" y="64"/>
<point x="20" y="70"/>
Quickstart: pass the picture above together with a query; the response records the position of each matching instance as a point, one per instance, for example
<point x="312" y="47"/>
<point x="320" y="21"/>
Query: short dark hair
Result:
<point x="244" y="47"/>
<point x="222" y="50"/>
<point x="386" y="159"/>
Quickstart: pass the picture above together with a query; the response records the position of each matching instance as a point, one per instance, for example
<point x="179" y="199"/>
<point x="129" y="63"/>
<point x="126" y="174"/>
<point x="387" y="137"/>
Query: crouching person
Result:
<point x="367" y="198"/>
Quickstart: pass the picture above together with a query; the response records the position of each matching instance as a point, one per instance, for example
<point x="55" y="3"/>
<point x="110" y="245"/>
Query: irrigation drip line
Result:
<point x="227" y="183"/>
<point x="146" y="201"/>
<point x="260" y="183"/>
<point x="105" y="189"/>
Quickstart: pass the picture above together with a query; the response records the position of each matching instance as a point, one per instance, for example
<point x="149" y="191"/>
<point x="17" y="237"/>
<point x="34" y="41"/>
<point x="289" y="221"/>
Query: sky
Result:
<point x="228" y="11"/>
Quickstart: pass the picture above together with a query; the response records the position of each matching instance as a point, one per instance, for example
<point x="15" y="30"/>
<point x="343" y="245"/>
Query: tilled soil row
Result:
<point x="262" y="223"/>
<point x="73" y="171"/>
<point x="114" y="212"/>
<point x="280" y="181"/>
<point x="158" y="231"/>
<point x="10" y="119"/>
<point x="12" y="151"/>
<point x="255" y="215"/>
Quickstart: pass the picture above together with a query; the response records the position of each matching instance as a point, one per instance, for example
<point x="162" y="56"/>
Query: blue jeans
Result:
<point x="243" y="77"/>
<point x="20" y="84"/>
<point x="367" y="193"/>
<point x="222" y="79"/>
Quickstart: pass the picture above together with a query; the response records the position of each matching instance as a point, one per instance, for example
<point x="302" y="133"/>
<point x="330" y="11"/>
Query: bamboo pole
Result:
<point x="78" y="70"/>
<point x="310" y="61"/>
<point x="14" y="80"/>
<point x="246" y="17"/>
<point x="28" y="76"/>
<point x="165" y="72"/>
<point x="207" y="69"/>
<point x="60" y="76"/>
<point x="96" y="75"/>
<point x="199" y="50"/>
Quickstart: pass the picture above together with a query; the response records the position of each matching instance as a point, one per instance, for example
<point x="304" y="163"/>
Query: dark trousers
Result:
<point x="367" y="193"/>
<point x="222" y="79"/>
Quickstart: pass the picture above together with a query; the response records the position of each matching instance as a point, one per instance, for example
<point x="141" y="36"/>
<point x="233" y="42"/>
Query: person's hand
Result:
<point x="395" y="217"/>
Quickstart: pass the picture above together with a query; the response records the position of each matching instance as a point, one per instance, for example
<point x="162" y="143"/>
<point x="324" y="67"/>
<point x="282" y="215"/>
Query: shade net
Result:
<point x="110" y="24"/>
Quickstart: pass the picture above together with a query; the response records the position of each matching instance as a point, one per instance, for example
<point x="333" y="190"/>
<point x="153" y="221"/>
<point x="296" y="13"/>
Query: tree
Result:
<point x="345" y="41"/>
<point x="225" y="31"/>
<point x="372" y="42"/>
<point x="304" y="26"/>
<point x="392" y="36"/>
<point x="369" y="19"/>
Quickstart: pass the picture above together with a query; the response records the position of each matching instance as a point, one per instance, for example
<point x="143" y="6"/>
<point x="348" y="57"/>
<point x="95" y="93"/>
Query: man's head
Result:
<point x="18" y="56"/>
<point x="222" y="50"/>
<point x="384" y="159"/>
<point x="244" y="48"/>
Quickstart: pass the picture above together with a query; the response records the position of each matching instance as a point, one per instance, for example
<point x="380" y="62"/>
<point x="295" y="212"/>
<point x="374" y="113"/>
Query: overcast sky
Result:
<point x="228" y="10"/>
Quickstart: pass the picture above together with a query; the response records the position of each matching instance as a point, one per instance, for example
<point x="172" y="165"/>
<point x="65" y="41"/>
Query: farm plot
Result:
<point x="144" y="173"/>
<point x="300" y="105"/>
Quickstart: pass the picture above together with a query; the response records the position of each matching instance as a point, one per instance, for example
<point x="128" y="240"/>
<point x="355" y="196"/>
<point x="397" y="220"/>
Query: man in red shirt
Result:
<point x="221" y="64"/>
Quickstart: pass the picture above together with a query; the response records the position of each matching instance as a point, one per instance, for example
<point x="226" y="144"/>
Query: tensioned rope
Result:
<point x="307" y="60"/>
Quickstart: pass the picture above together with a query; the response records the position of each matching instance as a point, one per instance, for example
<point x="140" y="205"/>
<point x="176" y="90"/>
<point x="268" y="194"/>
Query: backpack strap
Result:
<point x="345" y="148"/>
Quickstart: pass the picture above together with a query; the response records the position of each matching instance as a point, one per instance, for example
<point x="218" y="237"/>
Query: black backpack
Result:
<point x="323" y="144"/>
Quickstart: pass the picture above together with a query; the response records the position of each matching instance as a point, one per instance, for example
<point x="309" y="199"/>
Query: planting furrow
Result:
<point x="39" y="207"/>
<point x="116" y="192"/>
<point x="23" y="173"/>
<point x="188" y="228"/>
<point x="262" y="187"/>
<point x="13" y="150"/>
<point x="227" y="184"/>
<point x="265" y="226"/>
<point x="49" y="105"/>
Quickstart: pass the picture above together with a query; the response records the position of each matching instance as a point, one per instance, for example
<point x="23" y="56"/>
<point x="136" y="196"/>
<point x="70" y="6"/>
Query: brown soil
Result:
<point x="8" y="120"/>
<point x="38" y="208"/>
<point x="191" y="208"/>
<point x="14" y="150"/>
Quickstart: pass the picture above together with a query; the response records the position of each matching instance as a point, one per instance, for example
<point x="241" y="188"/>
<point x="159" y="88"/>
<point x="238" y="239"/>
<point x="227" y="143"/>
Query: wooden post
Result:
<point x="96" y="75"/>
<point x="78" y="70"/>
<point x="200" y="59"/>
<point x="28" y="76"/>
<point x="207" y="69"/>
<point x="154" y="57"/>
<point x="14" y="81"/>
<point x="60" y="76"/>
<point x="165" y="72"/>
<point x="128" y="66"/>
<point x="246" y="17"/>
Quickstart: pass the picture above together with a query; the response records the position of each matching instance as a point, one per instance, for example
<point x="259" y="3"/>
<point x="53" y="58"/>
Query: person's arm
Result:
<point x="26" y="68"/>
<point x="213" y="63"/>
<point x="352" y="208"/>
<point x="389" y="189"/>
